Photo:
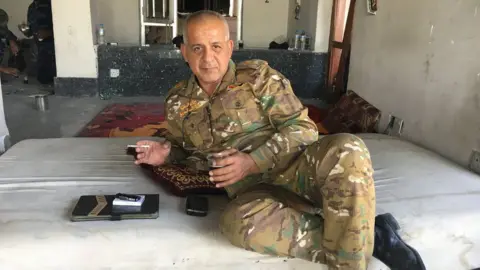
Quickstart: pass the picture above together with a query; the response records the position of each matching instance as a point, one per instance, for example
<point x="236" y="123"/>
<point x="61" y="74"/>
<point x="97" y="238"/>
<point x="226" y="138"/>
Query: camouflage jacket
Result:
<point x="253" y="110"/>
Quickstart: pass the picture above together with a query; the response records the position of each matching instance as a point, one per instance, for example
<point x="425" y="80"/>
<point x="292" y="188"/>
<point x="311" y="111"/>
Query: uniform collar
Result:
<point x="228" y="79"/>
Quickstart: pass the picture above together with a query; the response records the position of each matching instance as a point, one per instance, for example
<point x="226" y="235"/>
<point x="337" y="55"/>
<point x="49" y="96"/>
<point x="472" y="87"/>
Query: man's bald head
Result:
<point x="203" y="16"/>
<point x="207" y="48"/>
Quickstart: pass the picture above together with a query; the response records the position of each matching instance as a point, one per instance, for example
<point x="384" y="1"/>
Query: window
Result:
<point x="161" y="20"/>
<point x="188" y="6"/>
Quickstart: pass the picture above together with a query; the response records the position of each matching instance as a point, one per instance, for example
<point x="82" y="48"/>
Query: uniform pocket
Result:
<point x="191" y="129"/>
<point x="242" y="106"/>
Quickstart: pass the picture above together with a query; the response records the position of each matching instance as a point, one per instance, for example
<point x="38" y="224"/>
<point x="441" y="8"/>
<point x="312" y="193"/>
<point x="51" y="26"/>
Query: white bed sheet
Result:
<point x="436" y="203"/>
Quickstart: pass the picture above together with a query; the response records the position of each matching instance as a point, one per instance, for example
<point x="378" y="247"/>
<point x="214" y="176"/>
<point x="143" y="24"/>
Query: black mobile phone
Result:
<point x="196" y="206"/>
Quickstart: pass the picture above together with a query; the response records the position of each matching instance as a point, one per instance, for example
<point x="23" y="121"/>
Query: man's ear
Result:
<point x="183" y="49"/>
<point x="231" y="45"/>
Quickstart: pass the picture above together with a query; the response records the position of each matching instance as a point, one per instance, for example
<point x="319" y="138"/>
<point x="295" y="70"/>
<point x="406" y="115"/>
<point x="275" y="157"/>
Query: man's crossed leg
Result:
<point x="321" y="208"/>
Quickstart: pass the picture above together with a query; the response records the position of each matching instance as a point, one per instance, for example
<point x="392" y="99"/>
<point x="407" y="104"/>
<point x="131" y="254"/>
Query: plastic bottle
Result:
<point x="101" y="34"/>
<point x="297" y="40"/>
<point x="307" y="42"/>
<point x="303" y="41"/>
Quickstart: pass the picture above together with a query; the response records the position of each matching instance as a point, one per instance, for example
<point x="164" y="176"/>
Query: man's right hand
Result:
<point x="155" y="154"/>
<point x="8" y="70"/>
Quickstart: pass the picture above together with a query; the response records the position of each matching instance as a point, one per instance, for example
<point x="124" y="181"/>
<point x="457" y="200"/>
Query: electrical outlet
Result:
<point x="394" y="126"/>
<point x="389" y="124"/>
<point x="397" y="126"/>
<point x="475" y="161"/>
<point x="114" y="73"/>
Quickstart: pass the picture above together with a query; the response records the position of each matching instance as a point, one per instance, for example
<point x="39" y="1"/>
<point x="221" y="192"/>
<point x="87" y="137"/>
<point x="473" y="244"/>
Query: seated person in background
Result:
<point x="292" y="193"/>
<point x="8" y="39"/>
<point x="7" y="35"/>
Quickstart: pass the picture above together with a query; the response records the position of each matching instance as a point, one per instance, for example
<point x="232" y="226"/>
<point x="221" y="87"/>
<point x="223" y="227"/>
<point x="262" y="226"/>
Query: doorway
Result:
<point x="30" y="45"/>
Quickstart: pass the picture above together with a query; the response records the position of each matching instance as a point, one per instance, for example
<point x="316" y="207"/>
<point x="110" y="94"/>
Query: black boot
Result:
<point x="391" y="249"/>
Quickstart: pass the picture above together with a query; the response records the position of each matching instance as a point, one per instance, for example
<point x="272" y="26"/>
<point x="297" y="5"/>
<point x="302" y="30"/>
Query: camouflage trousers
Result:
<point x="321" y="208"/>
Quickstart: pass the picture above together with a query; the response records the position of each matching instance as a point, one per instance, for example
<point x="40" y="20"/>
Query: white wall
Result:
<point x="420" y="61"/>
<point x="121" y="19"/>
<point x="323" y="23"/>
<point x="94" y="14"/>
<point x="17" y="11"/>
<point x="292" y="24"/>
<point x="263" y="22"/>
<point x="4" y="134"/>
<point x="74" y="48"/>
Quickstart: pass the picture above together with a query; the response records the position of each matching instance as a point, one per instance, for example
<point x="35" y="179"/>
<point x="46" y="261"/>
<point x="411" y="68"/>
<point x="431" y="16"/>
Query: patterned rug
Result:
<point x="127" y="120"/>
<point x="141" y="119"/>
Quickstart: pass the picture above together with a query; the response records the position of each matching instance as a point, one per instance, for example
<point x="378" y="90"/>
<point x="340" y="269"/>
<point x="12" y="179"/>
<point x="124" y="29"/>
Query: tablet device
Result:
<point x="100" y="207"/>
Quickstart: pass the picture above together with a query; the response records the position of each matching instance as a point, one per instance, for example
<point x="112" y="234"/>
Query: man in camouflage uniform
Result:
<point x="293" y="194"/>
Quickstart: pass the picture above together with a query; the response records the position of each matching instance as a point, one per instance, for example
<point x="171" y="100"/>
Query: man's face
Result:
<point x="208" y="51"/>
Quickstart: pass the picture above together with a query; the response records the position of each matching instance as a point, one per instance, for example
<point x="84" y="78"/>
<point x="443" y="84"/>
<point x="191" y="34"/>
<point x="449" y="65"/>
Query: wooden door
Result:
<point x="340" y="41"/>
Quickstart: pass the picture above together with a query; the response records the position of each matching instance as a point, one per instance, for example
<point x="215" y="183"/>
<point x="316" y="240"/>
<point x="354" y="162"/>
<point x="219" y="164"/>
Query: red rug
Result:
<point x="142" y="119"/>
<point x="127" y="120"/>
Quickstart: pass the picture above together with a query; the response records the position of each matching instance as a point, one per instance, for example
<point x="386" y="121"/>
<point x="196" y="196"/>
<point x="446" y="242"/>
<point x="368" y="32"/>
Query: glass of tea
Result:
<point x="211" y="158"/>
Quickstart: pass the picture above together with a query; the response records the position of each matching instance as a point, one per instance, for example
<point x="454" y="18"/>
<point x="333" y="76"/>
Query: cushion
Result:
<point x="321" y="129"/>
<point x="351" y="114"/>
<point x="316" y="114"/>
<point x="182" y="181"/>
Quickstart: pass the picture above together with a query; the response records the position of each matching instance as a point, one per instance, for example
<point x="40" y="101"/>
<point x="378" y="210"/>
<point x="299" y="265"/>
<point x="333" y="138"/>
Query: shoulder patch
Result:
<point x="180" y="84"/>
<point x="251" y="71"/>
<point x="252" y="64"/>
<point x="178" y="87"/>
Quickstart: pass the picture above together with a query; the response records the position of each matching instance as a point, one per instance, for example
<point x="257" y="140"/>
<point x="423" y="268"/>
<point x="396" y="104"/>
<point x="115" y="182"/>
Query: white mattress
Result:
<point x="435" y="202"/>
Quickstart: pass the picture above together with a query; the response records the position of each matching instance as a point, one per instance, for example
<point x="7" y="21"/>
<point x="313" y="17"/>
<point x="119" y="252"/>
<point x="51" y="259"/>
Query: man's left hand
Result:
<point x="9" y="70"/>
<point x="235" y="166"/>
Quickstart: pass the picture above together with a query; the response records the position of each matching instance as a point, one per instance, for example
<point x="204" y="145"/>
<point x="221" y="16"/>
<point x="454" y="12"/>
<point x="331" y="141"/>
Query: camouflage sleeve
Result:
<point x="177" y="153"/>
<point x="286" y="113"/>
<point x="174" y="131"/>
